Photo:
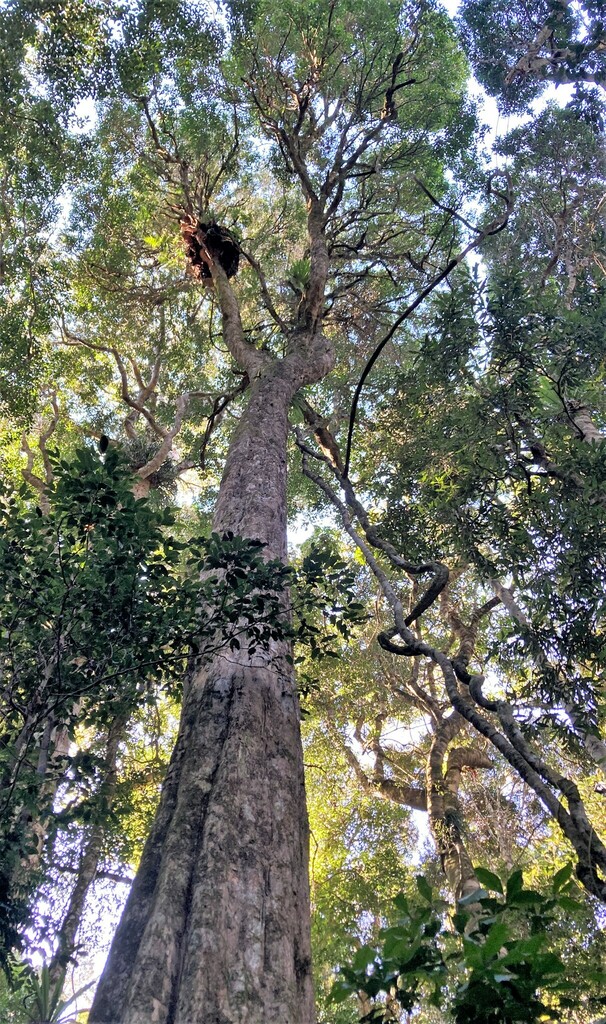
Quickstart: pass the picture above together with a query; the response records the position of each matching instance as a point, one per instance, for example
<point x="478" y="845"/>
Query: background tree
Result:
<point x="551" y="41"/>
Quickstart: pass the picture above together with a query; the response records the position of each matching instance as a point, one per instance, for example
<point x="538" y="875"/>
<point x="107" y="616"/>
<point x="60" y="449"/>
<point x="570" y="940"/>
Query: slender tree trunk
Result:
<point x="216" y="928"/>
<point x="444" y="811"/>
<point x="89" y="862"/>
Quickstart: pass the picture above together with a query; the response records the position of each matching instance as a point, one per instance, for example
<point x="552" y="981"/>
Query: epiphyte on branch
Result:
<point x="201" y="240"/>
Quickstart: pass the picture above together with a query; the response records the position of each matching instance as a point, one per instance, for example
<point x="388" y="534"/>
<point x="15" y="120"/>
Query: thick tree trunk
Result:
<point x="216" y="929"/>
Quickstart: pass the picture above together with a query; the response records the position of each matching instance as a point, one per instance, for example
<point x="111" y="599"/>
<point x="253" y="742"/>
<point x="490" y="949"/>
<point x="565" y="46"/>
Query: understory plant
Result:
<point x="491" y="960"/>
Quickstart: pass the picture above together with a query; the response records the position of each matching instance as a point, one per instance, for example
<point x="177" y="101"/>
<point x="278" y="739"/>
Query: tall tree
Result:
<point x="337" y="99"/>
<point x="217" y="922"/>
<point x="295" y="162"/>
<point x="542" y="42"/>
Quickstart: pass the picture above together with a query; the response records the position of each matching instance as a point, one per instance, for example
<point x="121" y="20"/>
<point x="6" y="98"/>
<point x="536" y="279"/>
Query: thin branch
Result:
<point x="267" y="299"/>
<point x="493" y="228"/>
<point x="39" y="484"/>
<point x="438" y="569"/>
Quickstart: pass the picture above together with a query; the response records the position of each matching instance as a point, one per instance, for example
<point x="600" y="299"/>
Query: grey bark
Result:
<point x="89" y="862"/>
<point x="216" y="928"/>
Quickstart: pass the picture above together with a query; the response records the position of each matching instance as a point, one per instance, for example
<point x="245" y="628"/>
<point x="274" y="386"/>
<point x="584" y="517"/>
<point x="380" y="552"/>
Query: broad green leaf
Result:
<point x="488" y="879"/>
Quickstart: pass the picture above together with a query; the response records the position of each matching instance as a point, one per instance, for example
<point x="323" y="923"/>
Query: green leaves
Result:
<point x="424" y="888"/>
<point x="102" y="609"/>
<point x="40" y="994"/>
<point x="497" y="475"/>
<point x="495" y="967"/>
<point x="488" y="879"/>
<point x="540" y="42"/>
<point x="326" y="608"/>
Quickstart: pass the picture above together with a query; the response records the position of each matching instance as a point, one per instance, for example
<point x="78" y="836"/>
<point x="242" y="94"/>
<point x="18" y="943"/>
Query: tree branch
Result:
<point x="493" y="228"/>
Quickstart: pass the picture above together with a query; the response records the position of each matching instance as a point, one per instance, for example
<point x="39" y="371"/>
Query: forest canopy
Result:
<point x="303" y="502"/>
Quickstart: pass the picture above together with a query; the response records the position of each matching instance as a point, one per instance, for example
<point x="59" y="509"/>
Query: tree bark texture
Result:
<point x="216" y="928"/>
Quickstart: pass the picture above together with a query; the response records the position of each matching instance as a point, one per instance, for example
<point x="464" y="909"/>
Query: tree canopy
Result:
<point x="261" y="265"/>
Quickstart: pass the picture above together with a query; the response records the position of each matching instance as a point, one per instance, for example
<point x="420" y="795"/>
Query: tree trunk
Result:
<point x="216" y="928"/>
<point x="89" y="861"/>
<point x="443" y="808"/>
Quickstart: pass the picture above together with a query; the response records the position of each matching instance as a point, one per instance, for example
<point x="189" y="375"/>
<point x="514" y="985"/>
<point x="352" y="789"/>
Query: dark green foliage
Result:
<point x="326" y="608"/>
<point x="565" y="42"/>
<point x="492" y="470"/>
<point x="101" y="612"/>
<point x="38" y="996"/>
<point x="471" y="449"/>
<point x="493" y="962"/>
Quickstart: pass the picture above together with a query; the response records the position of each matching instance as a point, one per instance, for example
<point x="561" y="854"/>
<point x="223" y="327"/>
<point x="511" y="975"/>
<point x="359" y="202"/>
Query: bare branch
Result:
<point x="168" y="436"/>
